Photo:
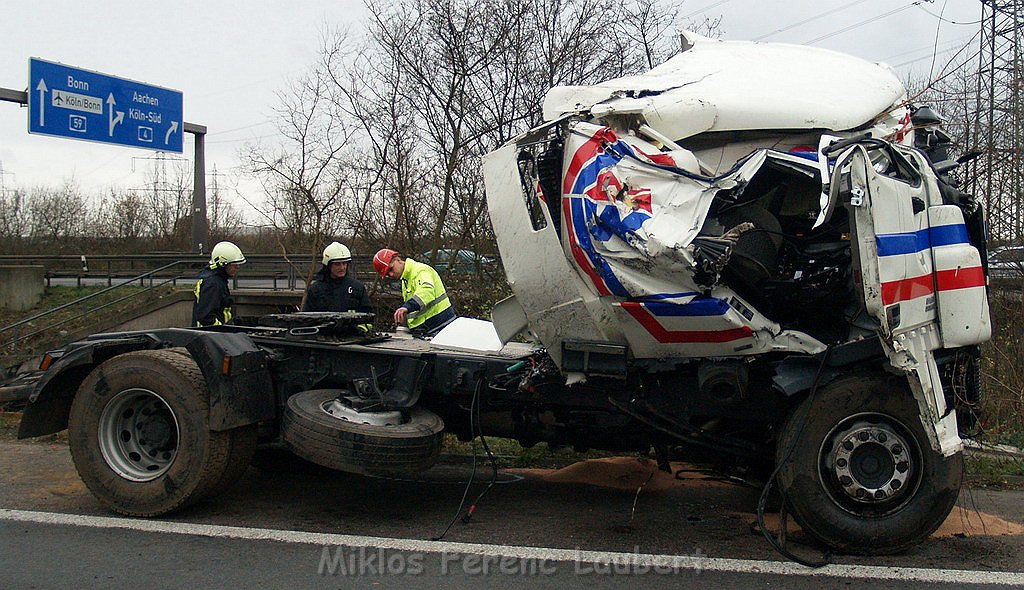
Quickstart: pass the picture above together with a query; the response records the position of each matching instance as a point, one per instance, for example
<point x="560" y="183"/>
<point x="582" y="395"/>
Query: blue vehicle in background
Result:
<point x="451" y="260"/>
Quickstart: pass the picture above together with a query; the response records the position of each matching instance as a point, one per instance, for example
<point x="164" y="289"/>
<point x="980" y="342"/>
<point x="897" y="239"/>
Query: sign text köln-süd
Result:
<point x="69" y="102"/>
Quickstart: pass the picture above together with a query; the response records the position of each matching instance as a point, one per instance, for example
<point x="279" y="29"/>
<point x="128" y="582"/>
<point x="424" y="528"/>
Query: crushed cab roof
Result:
<point x="717" y="85"/>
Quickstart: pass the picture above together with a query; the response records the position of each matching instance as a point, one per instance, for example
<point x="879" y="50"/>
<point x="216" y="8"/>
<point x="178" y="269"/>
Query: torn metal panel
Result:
<point x="914" y="257"/>
<point x="544" y="282"/>
<point x="633" y="215"/>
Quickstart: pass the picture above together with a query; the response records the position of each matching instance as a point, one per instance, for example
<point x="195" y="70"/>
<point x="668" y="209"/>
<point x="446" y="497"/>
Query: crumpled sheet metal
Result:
<point x="719" y="85"/>
<point x="632" y="211"/>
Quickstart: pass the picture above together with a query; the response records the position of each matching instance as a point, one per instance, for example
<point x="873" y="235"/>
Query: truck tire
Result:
<point x="394" y="450"/>
<point x="241" y="449"/>
<point x="857" y="469"/>
<point x="140" y="438"/>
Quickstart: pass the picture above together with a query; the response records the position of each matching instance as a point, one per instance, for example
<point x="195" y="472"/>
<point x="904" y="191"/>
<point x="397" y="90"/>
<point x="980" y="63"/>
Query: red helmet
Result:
<point x="381" y="261"/>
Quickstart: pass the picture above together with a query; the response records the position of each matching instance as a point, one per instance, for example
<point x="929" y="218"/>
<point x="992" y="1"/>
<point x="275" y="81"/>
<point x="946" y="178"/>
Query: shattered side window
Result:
<point x="533" y="194"/>
<point x="888" y="161"/>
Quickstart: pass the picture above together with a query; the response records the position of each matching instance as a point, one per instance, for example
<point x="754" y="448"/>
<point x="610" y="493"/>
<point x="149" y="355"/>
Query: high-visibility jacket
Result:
<point x="213" y="298"/>
<point x="425" y="298"/>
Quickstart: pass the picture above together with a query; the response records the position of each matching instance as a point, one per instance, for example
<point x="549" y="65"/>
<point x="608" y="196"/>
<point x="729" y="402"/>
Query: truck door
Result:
<point x="892" y="200"/>
<point x="889" y="220"/>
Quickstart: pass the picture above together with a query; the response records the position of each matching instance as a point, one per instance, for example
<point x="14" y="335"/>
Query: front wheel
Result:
<point x="140" y="437"/>
<point x="858" y="471"/>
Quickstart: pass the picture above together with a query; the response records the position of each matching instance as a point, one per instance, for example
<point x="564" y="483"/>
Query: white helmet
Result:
<point x="336" y="251"/>
<point x="225" y="253"/>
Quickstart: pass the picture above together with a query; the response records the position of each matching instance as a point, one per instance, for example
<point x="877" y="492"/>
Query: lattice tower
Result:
<point x="998" y="175"/>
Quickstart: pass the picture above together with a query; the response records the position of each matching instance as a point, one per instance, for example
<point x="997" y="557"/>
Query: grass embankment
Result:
<point x="994" y="472"/>
<point x="1003" y="371"/>
<point x="58" y="328"/>
<point x="1002" y="405"/>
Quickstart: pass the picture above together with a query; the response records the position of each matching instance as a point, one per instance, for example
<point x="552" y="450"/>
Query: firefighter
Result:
<point x="213" y="298"/>
<point x="427" y="308"/>
<point x="333" y="288"/>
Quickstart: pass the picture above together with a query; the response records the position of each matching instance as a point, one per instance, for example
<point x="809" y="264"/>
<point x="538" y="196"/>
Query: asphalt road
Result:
<point x="314" y="528"/>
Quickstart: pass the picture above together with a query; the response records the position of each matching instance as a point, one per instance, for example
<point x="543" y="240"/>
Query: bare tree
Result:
<point x="127" y="218"/>
<point x="15" y="220"/>
<point x="225" y="219"/>
<point x="57" y="214"/>
<point x="167" y="196"/>
<point x="384" y="138"/>
<point x="305" y="176"/>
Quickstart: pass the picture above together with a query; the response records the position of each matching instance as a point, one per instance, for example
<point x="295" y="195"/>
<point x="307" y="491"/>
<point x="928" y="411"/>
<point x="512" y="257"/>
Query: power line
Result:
<point x="935" y="44"/>
<point x="241" y="139"/>
<point x="810" y="19"/>
<point x="946" y="20"/>
<point x="863" y="22"/>
<point x="945" y="49"/>
<point x="949" y="45"/>
<point x="261" y="123"/>
<point x="696" y="12"/>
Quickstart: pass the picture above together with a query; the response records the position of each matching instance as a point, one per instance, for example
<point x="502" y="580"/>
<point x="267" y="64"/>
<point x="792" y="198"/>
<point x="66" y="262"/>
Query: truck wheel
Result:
<point x="858" y="472"/>
<point x="410" y="445"/>
<point x="140" y="438"/>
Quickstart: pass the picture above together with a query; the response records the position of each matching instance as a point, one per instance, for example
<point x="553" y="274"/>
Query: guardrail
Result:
<point x="281" y="272"/>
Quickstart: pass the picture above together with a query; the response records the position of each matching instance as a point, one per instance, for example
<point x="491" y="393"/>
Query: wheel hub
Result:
<point x="871" y="462"/>
<point x="138" y="435"/>
<point x="342" y="412"/>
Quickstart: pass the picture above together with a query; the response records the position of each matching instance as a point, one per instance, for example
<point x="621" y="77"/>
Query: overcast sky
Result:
<point x="229" y="58"/>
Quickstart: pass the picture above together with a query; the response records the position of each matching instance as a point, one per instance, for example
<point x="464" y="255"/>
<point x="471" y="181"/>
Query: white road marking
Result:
<point x="679" y="562"/>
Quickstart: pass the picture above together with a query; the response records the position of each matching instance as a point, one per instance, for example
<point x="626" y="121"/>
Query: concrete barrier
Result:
<point x="175" y="310"/>
<point x="21" y="287"/>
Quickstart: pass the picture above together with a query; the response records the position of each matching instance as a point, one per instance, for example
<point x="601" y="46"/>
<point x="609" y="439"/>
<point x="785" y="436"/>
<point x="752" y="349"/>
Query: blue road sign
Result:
<point x="70" y="102"/>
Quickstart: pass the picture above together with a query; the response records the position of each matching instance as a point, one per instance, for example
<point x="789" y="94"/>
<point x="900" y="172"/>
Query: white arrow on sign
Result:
<point x="112" y="120"/>
<point x="41" y="87"/>
<point x="167" y="137"/>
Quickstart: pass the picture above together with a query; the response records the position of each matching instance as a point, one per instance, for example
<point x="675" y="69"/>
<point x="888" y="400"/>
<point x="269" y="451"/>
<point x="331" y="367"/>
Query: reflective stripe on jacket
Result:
<point x="424" y="294"/>
<point x="213" y="298"/>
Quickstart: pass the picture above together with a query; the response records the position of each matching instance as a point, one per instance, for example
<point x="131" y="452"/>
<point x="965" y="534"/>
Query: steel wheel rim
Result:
<point x="138" y="435"/>
<point x="870" y="464"/>
<point x="340" y="411"/>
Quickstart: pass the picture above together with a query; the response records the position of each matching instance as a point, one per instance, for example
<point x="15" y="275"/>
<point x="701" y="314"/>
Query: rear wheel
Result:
<point x="858" y="471"/>
<point x="140" y="438"/>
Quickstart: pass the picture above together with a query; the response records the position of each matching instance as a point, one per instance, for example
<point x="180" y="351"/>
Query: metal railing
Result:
<point x="141" y="278"/>
<point x="279" y="272"/>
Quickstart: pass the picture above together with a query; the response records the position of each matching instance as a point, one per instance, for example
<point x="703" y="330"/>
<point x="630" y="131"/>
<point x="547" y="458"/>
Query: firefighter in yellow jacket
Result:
<point x="427" y="308"/>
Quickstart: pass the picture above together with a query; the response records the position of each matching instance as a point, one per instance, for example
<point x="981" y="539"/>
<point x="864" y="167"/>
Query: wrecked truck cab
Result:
<point x="637" y="177"/>
<point x="792" y="287"/>
<point x="623" y="220"/>
<point x="751" y="234"/>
